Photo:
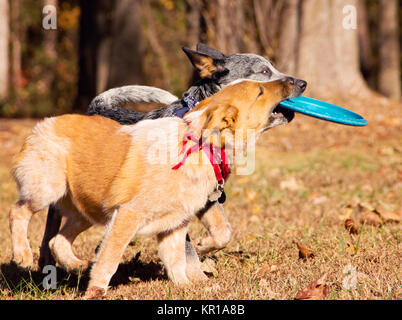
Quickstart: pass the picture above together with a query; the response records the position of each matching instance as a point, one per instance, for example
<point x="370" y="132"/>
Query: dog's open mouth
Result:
<point x="280" y="115"/>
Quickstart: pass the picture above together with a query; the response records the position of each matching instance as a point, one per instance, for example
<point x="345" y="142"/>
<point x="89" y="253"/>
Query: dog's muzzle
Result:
<point x="299" y="86"/>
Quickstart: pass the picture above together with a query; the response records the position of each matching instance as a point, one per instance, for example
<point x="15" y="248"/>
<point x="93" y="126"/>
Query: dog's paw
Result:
<point x="94" y="293"/>
<point x="24" y="260"/>
<point x="196" y="275"/>
<point x="76" y="266"/>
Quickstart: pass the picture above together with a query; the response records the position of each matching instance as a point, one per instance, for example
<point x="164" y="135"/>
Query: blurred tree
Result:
<point x="286" y="55"/>
<point x="229" y="25"/>
<point x="49" y="48"/>
<point x="126" y="50"/>
<point x="365" y="47"/>
<point x="88" y="49"/>
<point x="195" y="30"/>
<point x="267" y="16"/>
<point x="193" y="15"/>
<point x="16" y="70"/>
<point x="4" y="48"/>
<point x="389" y="81"/>
<point x="106" y="43"/>
<point x="328" y="56"/>
<point x="110" y="47"/>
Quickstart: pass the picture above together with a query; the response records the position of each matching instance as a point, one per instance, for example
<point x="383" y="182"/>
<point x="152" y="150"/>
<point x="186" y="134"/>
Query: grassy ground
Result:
<point x="310" y="176"/>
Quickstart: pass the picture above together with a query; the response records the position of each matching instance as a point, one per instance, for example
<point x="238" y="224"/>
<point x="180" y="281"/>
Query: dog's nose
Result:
<point x="301" y="84"/>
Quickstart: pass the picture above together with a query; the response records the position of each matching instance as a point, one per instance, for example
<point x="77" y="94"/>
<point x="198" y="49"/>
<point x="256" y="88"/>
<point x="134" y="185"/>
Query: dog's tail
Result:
<point x="107" y="103"/>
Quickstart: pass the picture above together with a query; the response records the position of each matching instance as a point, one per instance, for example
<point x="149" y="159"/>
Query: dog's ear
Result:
<point x="220" y="117"/>
<point x="207" y="66"/>
<point x="217" y="120"/>
<point x="207" y="50"/>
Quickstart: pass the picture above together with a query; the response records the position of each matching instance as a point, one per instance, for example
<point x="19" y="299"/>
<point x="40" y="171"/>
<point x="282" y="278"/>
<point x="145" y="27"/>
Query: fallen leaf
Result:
<point x="250" y="238"/>
<point x="384" y="170"/>
<point x="291" y="184"/>
<point x="317" y="290"/>
<point x="371" y="218"/>
<point x="320" y="200"/>
<point x="351" y="249"/>
<point x="346" y="213"/>
<point x="267" y="268"/>
<point x="254" y="219"/>
<point x="390" y="216"/>
<point x="251" y="195"/>
<point x="351" y="226"/>
<point x="387" y="151"/>
<point x="364" y="206"/>
<point x="304" y="253"/>
<point x="314" y="195"/>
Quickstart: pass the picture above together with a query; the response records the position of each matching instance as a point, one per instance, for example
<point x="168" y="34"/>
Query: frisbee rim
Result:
<point x="337" y="114"/>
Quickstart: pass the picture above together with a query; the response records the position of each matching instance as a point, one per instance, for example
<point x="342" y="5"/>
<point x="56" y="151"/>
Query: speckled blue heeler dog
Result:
<point x="216" y="70"/>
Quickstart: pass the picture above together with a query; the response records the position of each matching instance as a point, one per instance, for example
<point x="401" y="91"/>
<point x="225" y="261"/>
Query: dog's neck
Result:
<point x="203" y="89"/>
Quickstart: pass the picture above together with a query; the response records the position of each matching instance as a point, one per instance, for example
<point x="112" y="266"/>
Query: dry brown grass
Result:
<point x="306" y="175"/>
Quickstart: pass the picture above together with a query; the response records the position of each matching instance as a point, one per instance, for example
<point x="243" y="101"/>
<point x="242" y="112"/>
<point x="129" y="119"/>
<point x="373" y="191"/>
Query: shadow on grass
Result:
<point x="18" y="280"/>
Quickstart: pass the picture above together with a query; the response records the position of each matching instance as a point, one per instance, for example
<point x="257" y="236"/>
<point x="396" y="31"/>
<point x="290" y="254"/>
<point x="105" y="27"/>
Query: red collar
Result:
<point x="216" y="156"/>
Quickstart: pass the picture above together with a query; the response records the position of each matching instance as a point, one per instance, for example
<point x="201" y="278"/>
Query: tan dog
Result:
<point x="97" y="171"/>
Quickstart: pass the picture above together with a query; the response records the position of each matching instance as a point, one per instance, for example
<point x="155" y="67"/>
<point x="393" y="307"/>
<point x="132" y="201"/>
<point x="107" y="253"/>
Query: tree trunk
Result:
<point x="4" y="49"/>
<point x="194" y="29"/>
<point x="389" y="83"/>
<point x="267" y="15"/>
<point x="286" y="56"/>
<point x="49" y="48"/>
<point x="229" y="22"/>
<point x="365" y="52"/>
<point x="193" y="22"/>
<point x="16" y="70"/>
<point x="328" y="52"/>
<point x="126" y="50"/>
<point x="88" y="48"/>
<point x="110" y="47"/>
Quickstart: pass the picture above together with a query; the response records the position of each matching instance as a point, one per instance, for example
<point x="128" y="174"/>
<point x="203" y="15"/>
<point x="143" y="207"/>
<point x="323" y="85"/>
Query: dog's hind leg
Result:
<point x="53" y="222"/>
<point x="217" y="224"/>
<point x="61" y="244"/>
<point x="40" y="172"/>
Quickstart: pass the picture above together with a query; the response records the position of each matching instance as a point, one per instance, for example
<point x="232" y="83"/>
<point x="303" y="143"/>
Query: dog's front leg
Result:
<point x="172" y="251"/>
<point x="215" y="221"/>
<point x="120" y="230"/>
<point x="193" y="268"/>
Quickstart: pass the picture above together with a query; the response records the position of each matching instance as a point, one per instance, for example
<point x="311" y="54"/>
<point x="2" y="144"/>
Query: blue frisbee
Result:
<point x="324" y="110"/>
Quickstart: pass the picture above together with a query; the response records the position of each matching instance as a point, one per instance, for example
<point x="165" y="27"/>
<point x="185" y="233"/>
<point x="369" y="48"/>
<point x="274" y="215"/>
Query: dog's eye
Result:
<point x="266" y="71"/>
